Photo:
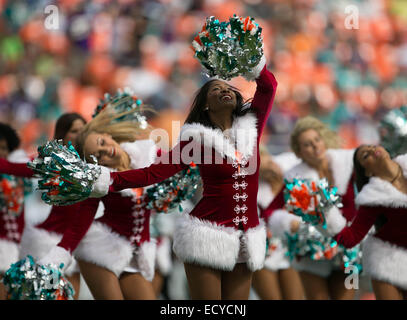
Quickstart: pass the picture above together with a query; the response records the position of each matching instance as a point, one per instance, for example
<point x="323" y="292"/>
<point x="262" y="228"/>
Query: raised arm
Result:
<point x="264" y="97"/>
<point x="352" y="235"/>
<point x="15" y="169"/>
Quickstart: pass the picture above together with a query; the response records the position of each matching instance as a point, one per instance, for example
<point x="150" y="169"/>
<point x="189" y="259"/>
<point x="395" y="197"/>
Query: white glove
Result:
<point x="250" y="76"/>
<point x="56" y="256"/>
<point x="335" y="222"/>
<point x="101" y="185"/>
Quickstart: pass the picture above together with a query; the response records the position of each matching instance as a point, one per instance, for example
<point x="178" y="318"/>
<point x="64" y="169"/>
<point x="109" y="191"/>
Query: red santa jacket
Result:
<point x="229" y="171"/>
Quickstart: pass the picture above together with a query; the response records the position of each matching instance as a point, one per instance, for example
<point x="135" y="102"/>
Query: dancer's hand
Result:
<point x="101" y="186"/>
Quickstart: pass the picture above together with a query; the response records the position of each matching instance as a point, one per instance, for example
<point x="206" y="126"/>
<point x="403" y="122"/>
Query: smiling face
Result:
<point x="371" y="158"/>
<point x="106" y="150"/>
<point x="312" y="147"/>
<point x="220" y="96"/>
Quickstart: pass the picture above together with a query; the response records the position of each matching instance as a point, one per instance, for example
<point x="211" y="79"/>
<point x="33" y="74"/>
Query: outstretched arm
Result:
<point x="264" y="96"/>
<point x="15" y="169"/>
<point x="352" y="235"/>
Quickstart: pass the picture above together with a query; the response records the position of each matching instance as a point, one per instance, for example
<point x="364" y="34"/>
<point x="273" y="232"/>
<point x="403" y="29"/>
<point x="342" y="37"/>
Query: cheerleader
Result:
<point x="382" y="202"/>
<point x="38" y="238"/>
<point x="277" y="280"/>
<point x="221" y="241"/>
<point x="115" y="252"/>
<point x="317" y="147"/>
<point x="12" y="206"/>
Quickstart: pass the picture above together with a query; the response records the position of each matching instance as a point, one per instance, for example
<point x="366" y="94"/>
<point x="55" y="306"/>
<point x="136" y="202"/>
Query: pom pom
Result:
<point x="308" y="241"/>
<point x="27" y="280"/>
<point x="66" y="179"/>
<point x="310" y="199"/>
<point x="393" y="131"/>
<point x="126" y="105"/>
<point x="169" y="194"/>
<point x="229" y="49"/>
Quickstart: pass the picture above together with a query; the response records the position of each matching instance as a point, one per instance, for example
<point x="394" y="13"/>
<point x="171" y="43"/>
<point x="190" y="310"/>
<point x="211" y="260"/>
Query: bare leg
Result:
<point x="337" y="289"/>
<point x="135" y="287"/>
<point x="316" y="287"/>
<point x="204" y="283"/>
<point x="3" y="291"/>
<point x="290" y="284"/>
<point x="265" y="282"/>
<point x="102" y="283"/>
<point x="386" y="291"/>
<point x="158" y="281"/>
<point x="74" y="279"/>
<point x="236" y="283"/>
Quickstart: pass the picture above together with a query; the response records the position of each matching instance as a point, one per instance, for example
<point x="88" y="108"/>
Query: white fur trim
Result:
<point x="256" y="246"/>
<point x="142" y="153"/>
<point x="277" y="260"/>
<point x="341" y="164"/>
<point x="144" y="260"/>
<point x="57" y="255"/>
<point x="335" y="221"/>
<point x="105" y="248"/>
<point x="385" y="261"/>
<point x="243" y="132"/>
<point x="38" y="242"/>
<point x="18" y="156"/>
<point x="341" y="161"/>
<point x="8" y="254"/>
<point x="381" y="193"/>
<point x="286" y="160"/>
<point x="101" y="186"/>
<point x="280" y="222"/>
<point x="250" y="76"/>
<point x="208" y="244"/>
<point x="264" y="194"/>
<point x="163" y="257"/>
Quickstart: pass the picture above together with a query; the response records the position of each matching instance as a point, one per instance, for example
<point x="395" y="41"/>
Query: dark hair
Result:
<point x="10" y="135"/>
<point x="360" y="174"/>
<point x="197" y="113"/>
<point x="64" y="123"/>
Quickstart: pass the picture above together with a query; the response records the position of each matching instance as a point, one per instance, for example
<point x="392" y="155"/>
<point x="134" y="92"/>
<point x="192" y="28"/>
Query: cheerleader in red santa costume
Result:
<point x="277" y="280"/>
<point x="115" y="252"/>
<point x="221" y="241"/>
<point x="382" y="202"/>
<point x="12" y="207"/>
<point x="317" y="147"/>
<point x="37" y="240"/>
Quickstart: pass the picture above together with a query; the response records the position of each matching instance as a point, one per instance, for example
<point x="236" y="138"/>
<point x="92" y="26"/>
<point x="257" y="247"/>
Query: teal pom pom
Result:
<point x="27" y="280"/>
<point x="167" y="195"/>
<point x="229" y="49"/>
<point x="65" y="178"/>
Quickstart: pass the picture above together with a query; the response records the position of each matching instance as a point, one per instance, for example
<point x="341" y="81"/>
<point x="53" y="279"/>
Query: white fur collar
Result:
<point x="243" y="132"/>
<point x="18" y="156"/>
<point x="142" y="152"/>
<point x="341" y="162"/>
<point x="381" y="193"/>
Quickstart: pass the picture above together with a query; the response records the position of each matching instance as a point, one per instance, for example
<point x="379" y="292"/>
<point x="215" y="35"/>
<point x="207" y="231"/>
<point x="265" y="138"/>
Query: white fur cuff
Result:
<point x="335" y="221"/>
<point x="101" y="186"/>
<point x="250" y="76"/>
<point x="56" y="256"/>
<point x="280" y="222"/>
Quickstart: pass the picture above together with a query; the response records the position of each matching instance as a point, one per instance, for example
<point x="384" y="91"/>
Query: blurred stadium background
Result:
<point x="347" y="77"/>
